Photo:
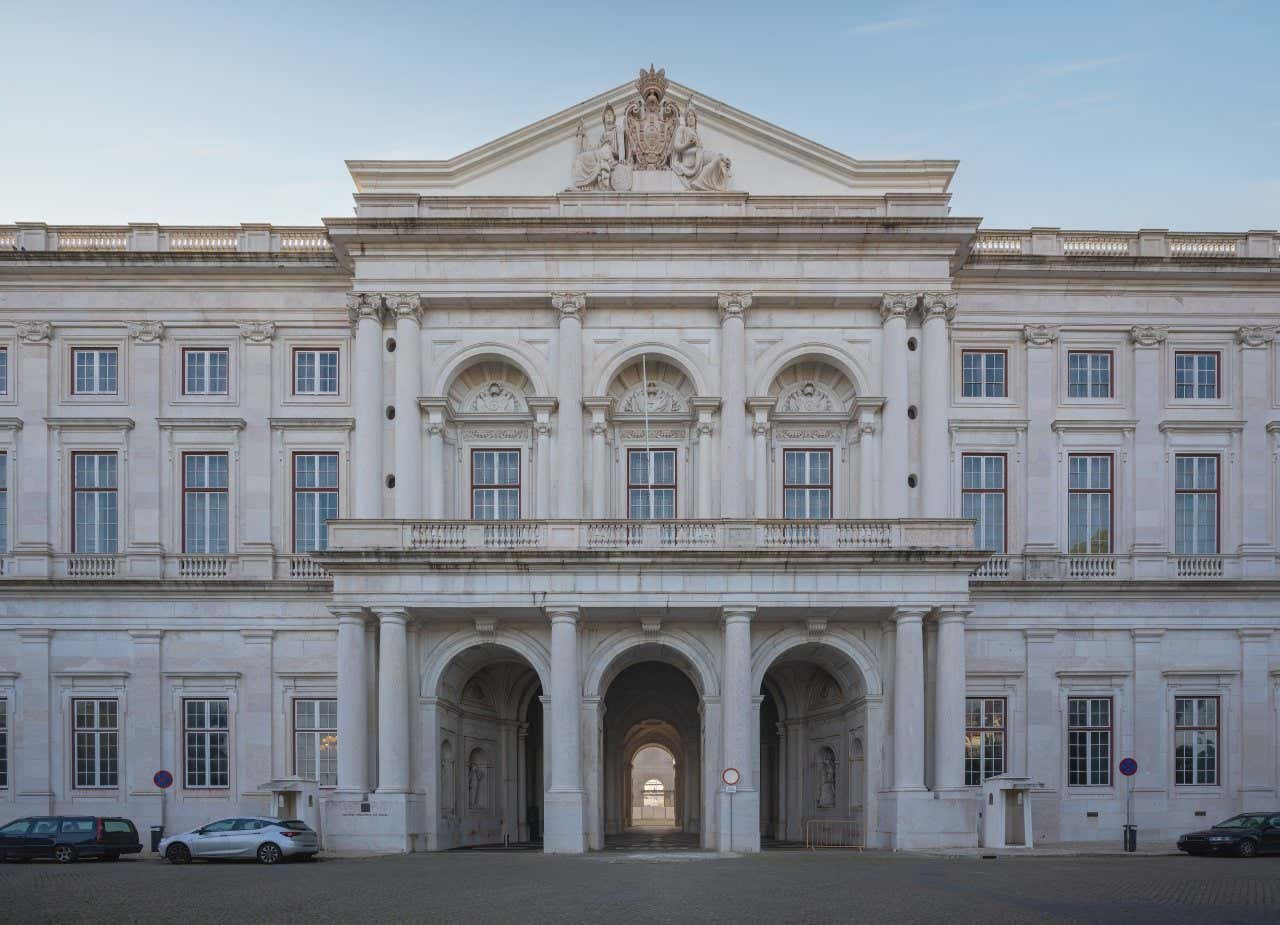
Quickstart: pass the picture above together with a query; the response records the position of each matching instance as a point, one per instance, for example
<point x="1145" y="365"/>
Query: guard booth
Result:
<point x="1006" y="812"/>
<point x="295" y="798"/>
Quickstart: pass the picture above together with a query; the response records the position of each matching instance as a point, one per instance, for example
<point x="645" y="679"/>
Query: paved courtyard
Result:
<point x="620" y="887"/>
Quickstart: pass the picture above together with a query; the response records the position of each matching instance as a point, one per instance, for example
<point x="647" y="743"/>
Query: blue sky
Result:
<point x="1081" y="115"/>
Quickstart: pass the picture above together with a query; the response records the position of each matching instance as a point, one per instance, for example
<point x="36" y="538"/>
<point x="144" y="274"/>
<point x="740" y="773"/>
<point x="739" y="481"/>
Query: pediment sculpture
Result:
<point x="496" y="397"/>
<point x="809" y="398"/>
<point x="655" y="137"/>
<point x="656" y="399"/>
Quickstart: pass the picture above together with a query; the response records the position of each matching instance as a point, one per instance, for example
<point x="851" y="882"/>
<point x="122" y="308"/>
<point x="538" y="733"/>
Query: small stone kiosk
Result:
<point x="1006" y="812"/>
<point x="295" y="798"/>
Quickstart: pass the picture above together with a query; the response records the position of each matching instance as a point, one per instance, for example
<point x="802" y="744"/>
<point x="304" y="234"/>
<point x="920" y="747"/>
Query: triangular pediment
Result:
<point x="542" y="159"/>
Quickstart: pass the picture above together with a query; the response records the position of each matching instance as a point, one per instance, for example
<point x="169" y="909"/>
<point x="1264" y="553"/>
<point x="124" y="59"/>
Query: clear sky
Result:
<point x="1081" y="115"/>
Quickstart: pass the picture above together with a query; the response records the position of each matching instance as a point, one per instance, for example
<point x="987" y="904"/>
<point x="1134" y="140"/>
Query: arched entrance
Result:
<point x="653" y="788"/>
<point x="487" y="716"/>
<point x="816" y="719"/>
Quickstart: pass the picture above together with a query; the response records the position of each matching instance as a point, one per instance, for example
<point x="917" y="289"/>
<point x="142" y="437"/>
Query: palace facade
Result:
<point x="648" y="425"/>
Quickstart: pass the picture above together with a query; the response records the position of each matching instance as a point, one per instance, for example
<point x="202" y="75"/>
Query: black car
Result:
<point x="1244" y="835"/>
<point x="68" y="838"/>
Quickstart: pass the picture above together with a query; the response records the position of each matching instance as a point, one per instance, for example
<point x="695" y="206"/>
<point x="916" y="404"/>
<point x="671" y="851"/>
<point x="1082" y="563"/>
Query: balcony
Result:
<point x="1124" y="568"/>
<point x="1054" y="242"/>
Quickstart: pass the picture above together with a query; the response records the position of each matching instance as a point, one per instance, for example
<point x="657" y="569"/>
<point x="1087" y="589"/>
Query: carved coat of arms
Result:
<point x="650" y="122"/>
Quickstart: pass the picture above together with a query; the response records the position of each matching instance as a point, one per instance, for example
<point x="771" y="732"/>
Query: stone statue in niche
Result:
<point x="826" y="778"/>
<point x="599" y="166"/>
<point x="475" y="786"/>
<point x="808" y="398"/>
<point x="656" y="399"/>
<point x="650" y="122"/>
<point x="446" y="777"/>
<point x="697" y="167"/>
<point x="494" y="397"/>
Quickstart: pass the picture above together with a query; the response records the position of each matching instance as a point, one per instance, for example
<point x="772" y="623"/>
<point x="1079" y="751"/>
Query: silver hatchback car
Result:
<point x="268" y="840"/>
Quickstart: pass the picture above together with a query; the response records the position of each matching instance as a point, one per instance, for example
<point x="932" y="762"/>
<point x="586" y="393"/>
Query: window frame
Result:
<point x="4" y="499"/>
<point x="315" y="732"/>
<point x="1109" y="491"/>
<point x="674" y="486"/>
<point x="294" y="490"/>
<point x="1111" y="373"/>
<point x="1088" y="730"/>
<point x="829" y="486"/>
<point x="75" y="502"/>
<point x="4" y="743"/>
<point x="6" y="370"/>
<point x="182" y="372"/>
<point x="77" y="349"/>
<point x="1002" y="731"/>
<point x="225" y="491"/>
<point x="337" y="372"/>
<point x="96" y="731"/>
<point x="1216" y="491"/>
<point x="208" y="733"/>
<point x="496" y="486"/>
<point x="1217" y="375"/>
<point x="1216" y="728"/>
<point x="1004" y="491"/>
<point x="984" y="352"/>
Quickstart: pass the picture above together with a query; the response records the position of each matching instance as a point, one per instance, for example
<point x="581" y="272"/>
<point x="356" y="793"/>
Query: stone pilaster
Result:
<point x="894" y="308"/>
<point x="733" y="393"/>
<point x="571" y="307"/>
<point x="938" y="309"/>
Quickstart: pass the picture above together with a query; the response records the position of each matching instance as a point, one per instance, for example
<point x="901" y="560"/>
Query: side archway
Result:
<point x="779" y="358"/>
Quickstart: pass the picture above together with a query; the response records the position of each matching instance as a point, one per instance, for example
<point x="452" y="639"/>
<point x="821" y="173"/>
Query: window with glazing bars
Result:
<point x="1089" y="374"/>
<point x="1195" y="500"/>
<point x="1195" y="375"/>
<point x="1195" y="746"/>
<point x="315" y="499"/>
<point x="982" y="498"/>
<point x="1089" y="505"/>
<point x="315" y="372"/>
<point x="206" y="729"/>
<point x="315" y="741"/>
<point x="1089" y="741"/>
<point x="4" y="370"/>
<point x="204" y="372"/>
<point x="204" y="503"/>
<point x="651" y="484"/>
<point x="984" y="738"/>
<point x="93" y="371"/>
<point x="97" y="743"/>
<point x="94" y="504"/>
<point x="4" y="743"/>
<point x="495" y="484"/>
<point x="983" y="373"/>
<point x="4" y="502"/>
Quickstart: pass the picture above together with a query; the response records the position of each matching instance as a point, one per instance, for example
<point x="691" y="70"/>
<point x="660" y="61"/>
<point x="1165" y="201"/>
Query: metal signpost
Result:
<point x="1129" y="767"/>
<point x="731" y="776"/>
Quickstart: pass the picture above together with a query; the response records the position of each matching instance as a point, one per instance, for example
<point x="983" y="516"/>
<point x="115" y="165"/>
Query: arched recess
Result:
<point x="778" y="358"/>
<point x="529" y="364"/>
<point x="690" y="364"/>
<point x="662" y="743"/>
<point x="627" y="647"/>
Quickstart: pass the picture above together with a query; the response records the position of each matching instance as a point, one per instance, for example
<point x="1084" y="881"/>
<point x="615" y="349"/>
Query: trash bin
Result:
<point x="157" y="833"/>
<point x="1130" y="838"/>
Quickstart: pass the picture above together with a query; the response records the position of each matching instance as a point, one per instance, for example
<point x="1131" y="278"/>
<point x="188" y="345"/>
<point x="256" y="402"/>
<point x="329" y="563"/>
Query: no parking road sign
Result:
<point x="162" y="779"/>
<point x="1128" y="767"/>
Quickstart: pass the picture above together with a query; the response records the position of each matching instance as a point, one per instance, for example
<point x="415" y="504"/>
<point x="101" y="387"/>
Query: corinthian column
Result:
<point x="407" y="309"/>
<point x="565" y="833"/>
<point x="893" y="439"/>
<point x="571" y="306"/>
<point x="365" y="310"/>
<point x="938" y="308"/>
<point x="908" y="700"/>
<point x="733" y="393"/>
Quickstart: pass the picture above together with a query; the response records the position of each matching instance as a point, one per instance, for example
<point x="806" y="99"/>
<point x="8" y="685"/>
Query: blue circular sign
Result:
<point x="162" y="779"/>
<point x="1128" y="767"/>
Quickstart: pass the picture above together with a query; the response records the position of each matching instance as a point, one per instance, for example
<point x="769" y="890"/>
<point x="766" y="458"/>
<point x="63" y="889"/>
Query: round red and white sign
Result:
<point x="731" y="776"/>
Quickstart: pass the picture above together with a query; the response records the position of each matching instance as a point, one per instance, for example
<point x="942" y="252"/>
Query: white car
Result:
<point x="268" y="840"/>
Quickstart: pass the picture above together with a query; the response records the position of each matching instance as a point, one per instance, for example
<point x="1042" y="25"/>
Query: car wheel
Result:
<point x="1247" y="848"/>
<point x="64" y="854"/>
<point x="270" y="853"/>
<point x="178" y="854"/>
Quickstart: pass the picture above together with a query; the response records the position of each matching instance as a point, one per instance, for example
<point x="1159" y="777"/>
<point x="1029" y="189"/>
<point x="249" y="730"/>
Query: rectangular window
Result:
<point x="204" y="372"/>
<point x="97" y="745"/>
<point x="495" y="484"/>
<point x="315" y="741"/>
<point x="4" y="744"/>
<point x="94" y="503"/>
<point x="1195" y="745"/>
<point x="204" y="503"/>
<point x="982" y="498"/>
<point x="984" y="373"/>
<point x="1089" y="374"/>
<point x="1195" y="500"/>
<point x="4" y="502"/>
<point x="1195" y="375"/>
<point x="315" y="372"/>
<point x="1089" y="741"/>
<point x="93" y="371"/>
<point x="315" y="499"/>
<point x="806" y="484"/>
<point x="651" y="484"/>
<point x="984" y="739"/>
<point x="4" y="370"/>
<point x="1089" y="505"/>
<point x="206" y="731"/>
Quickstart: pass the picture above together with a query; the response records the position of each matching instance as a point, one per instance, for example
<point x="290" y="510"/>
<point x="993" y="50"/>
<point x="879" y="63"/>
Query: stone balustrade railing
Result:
<point x="623" y="535"/>
<point x="1054" y="242"/>
<point x="149" y="238"/>
<point x="1122" y="568"/>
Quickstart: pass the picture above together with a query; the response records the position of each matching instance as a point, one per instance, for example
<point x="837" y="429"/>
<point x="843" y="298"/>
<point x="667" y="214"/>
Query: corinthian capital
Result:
<point x="1148" y="335"/>
<point x="938" y="305"/>
<point x="897" y="304"/>
<point x="733" y="305"/>
<point x="146" y="332"/>
<point x="34" y="332"/>
<point x="1040" y="335"/>
<point x="1255" y="335"/>
<point x="569" y="304"/>
<point x="364" y="305"/>
<point x="404" y="304"/>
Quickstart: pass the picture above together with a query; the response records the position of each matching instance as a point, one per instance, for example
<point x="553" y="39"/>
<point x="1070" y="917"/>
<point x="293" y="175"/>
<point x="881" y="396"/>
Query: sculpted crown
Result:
<point x="364" y="305"/>
<point x="569" y="304"/>
<point x="897" y="303"/>
<point x="733" y="304"/>
<point x="652" y="81"/>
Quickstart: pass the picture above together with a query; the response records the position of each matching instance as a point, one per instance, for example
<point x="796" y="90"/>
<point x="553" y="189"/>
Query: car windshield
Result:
<point x="1241" y="822"/>
<point x="295" y="824"/>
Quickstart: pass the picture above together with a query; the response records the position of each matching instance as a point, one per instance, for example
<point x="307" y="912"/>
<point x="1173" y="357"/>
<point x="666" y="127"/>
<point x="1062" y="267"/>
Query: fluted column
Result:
<point x="733" y="394"/>
<point x="365" y="310"/>
<point x="407" y="309"/>
<point x="740" y="811"/>
<point x="948" y="704"/>
<point x="908" y="697"/>
<point x="353" y="701"/>
<point x="393" y="701"/>
<point x="893" y="442"/>
<point x="938" y="309"/>
<point x="565" y="832"/>
<point x="571" y="306"/>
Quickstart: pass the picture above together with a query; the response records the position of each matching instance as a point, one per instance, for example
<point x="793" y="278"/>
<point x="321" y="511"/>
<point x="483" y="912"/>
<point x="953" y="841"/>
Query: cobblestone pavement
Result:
<point x="615" y="888"/>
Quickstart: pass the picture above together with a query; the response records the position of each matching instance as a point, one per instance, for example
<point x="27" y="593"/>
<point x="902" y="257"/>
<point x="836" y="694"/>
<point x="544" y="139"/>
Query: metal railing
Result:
<point x="834" y="833"/>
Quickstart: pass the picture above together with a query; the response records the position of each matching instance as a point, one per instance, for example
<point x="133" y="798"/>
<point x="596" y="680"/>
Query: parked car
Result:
<point x="1244" y="835"/>
<point x="268" y="840"/>
<point x="68" y="838"/>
